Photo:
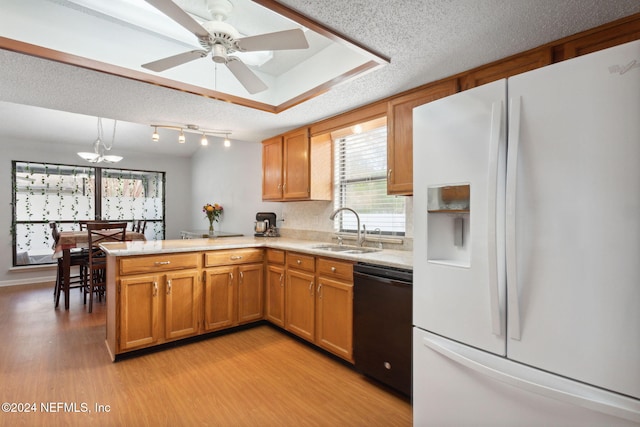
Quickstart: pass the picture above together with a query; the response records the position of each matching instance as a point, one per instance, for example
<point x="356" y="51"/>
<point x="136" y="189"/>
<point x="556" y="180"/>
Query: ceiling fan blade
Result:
<point x="175" y="60"/>
<point x="280" y="40"/>
<point x="174" y="12"/>
<point x="249" y="80"/>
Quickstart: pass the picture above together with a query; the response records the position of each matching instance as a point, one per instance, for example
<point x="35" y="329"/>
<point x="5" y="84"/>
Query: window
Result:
<point x="67" y="194"/>
<point x="361" y="181"/>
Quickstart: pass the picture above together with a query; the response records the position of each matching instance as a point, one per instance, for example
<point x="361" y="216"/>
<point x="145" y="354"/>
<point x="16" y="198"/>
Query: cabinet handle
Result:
<point x="236" y="257"/>
<point x="284" y="187"/>
<point x="333" y="269"/>
<point x="281" y="277"/>
<point x="279" y="186"/>
<point x="319" y="290"/>
<point x="241" y="276"/>
<point x="162" y="262"/>
<point x="311" y="288"/>
<point x="230" y="278"/>
<point x="299" y="262"/>
<point x="155" y="288"/>
<point x="169" y="287"/>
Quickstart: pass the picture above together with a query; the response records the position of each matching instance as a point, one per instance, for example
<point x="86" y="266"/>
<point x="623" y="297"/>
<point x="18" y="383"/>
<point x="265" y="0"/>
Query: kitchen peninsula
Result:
<point x="168" y="290"/>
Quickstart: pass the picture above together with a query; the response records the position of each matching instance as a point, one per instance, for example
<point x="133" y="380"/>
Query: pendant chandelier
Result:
<point x="99" y="147"/>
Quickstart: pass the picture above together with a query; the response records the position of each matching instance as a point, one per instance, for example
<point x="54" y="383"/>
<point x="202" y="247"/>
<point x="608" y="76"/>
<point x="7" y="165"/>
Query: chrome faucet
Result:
<point x="361" y="237"/>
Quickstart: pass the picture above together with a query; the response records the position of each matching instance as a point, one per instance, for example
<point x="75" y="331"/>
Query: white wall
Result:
<point x="178" y="195"/>
<point x="232" y="177"/>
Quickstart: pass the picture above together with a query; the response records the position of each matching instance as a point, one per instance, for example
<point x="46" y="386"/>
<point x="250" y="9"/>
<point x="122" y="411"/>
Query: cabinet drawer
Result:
<point x="332" y="268"/>
<point x="233" y="256"/>
<point x="301" y="262"/>
<point x="156" y="263"/>
<point x="275" y="256"/>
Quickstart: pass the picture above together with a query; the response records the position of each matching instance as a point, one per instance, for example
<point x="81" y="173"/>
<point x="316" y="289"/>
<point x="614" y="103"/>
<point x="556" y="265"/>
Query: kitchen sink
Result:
<point x="363" y="250"/>
<point x="335" y="248"/>
<point x="345" y="249"/>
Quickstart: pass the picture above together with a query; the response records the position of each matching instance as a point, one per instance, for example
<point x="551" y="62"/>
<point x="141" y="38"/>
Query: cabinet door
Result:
<point x="400" y="134"/>
<point x="181" y="304"/>
<point x="218" y="297"/>
<point x="334" y="317"/>
<point x="300" y="307"/>
<point x="139" y="311"/>
<point x="250" y="292"/>
<point x="272" y="168"/>
<point x="296" y="165"/>
<point x="275" y="295"/>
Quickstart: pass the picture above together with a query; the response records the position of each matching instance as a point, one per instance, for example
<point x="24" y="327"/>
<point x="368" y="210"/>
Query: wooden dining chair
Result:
<point x="83" y="222"/>
<point x="100" y="232"/>
<point x="78" y="258"/>
<point x="139" y="225"/>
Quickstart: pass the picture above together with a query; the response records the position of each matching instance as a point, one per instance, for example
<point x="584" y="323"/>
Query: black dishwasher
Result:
<point x="382" y="333"/>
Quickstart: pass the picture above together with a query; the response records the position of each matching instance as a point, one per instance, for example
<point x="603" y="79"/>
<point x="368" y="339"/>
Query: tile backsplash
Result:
<point x="310" y="220"/>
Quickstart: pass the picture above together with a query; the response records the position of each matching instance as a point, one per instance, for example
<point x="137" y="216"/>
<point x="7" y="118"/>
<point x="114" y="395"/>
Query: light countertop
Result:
<point x="388" y="257"/>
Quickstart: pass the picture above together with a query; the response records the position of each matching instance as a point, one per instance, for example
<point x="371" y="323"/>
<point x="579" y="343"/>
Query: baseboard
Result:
<point x="29" y="281"/>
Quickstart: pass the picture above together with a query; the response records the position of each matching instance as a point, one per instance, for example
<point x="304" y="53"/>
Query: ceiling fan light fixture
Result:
<point x="181" y="138"/>
<point x="203" y="140"/>
<point x="222" y="40"/>
<point x="155" y="137"/>
<point x="219" y="54"/>
<point x="227" y="142"/>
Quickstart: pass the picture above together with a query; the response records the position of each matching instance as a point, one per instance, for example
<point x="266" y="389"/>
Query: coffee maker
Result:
<point x="265" y="224"/>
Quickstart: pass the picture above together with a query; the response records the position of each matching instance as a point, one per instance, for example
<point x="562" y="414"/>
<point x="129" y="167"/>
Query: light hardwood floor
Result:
<point x="254" y="377"/>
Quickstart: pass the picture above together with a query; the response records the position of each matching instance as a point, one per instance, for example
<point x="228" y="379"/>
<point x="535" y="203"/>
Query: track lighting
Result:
<point x="155" y="137"/>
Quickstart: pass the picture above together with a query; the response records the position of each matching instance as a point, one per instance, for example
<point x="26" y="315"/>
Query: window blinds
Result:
<point x="361" y="184"/>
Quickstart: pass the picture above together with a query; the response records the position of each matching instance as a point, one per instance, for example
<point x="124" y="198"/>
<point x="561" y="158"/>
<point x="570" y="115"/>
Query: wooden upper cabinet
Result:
<point x="400" y="134"/>
<point x="272" y="168"/>
<point x="507" y="67"/>
<point x="623" y="31"/>
<point x="297" y="167"/>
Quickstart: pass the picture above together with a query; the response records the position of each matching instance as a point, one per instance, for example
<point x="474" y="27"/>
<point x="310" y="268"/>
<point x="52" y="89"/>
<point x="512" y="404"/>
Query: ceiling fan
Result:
<point x="221" y="40"/>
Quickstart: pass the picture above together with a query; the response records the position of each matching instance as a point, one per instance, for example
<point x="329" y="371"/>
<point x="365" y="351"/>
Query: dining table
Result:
<point x="69" y="240"/>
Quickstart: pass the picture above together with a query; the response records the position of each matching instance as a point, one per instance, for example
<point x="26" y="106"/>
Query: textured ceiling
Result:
<point x="425" y="39"/>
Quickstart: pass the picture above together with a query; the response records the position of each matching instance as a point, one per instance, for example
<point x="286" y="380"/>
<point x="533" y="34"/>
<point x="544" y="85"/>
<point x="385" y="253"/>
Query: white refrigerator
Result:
<point x="526" y="295"/>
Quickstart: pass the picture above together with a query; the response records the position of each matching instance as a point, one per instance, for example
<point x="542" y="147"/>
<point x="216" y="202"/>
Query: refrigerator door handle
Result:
<point x="513" y="300"/>
<point x="492" y="192"/>
<point x="538" y="382"/>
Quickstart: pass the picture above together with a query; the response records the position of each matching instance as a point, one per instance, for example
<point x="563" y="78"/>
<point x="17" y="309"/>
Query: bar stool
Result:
<point x="97" y="271"/>
<point x="79" y="258"/>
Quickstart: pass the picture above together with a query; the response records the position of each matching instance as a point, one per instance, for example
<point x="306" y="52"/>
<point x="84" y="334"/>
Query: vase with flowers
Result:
<point x="213" y="212"/>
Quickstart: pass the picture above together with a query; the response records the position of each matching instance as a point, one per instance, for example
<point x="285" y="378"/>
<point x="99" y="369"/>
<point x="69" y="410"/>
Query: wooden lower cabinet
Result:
<point x="319" y="303"/>
<point x="274" y="284"/>
<point x="233" y="295"/>
<point x="334" y="317"/>
<point x="334" y="307"/>
<point x="250" y="293"/>
<point x="181" y="304"/>
<point x="218" y="297"/>
<point x="157" y="308"/>
<point x="300" y="304"/>
<point x="148" y="303"/>
<point x="139" y="311"/>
